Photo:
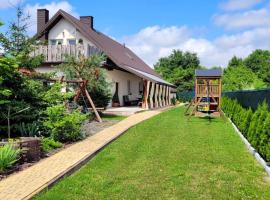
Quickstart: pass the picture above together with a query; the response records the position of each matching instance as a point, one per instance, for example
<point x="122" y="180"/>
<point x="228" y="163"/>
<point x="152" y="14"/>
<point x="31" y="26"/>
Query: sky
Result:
<point x="215" y="30"/>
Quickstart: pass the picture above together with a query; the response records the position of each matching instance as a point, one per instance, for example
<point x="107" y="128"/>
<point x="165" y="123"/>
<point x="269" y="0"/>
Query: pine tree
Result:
<point x="16" y="43"/>
<point x="264" y="142"/>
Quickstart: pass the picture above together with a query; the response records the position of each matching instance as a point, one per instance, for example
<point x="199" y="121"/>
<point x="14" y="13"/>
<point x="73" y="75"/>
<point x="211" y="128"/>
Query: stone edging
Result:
<point x="252" y="151"/>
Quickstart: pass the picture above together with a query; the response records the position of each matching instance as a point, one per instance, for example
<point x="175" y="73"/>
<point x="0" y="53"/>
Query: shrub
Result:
<point x="255" y="126"/>
<point x="29" y="130"/>
<point x="253" y="132"/>
<point x="264" y="140"/>
<point x="49" y="144"/>
<point x="54" y="95"/>
<point x="64" y="126"/>
<point x="245" y="122"/>
<point x="173" y="101"/>
<point x="8" y="157"/>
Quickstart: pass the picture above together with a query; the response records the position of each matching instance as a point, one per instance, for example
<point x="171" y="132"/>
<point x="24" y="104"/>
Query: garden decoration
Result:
<point x="207" y="99"/>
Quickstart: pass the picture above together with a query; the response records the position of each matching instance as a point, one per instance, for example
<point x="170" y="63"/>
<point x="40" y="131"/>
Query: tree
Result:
<point x="89" y="68"/>
<point x="241" y="78"/>
<point x="238" y="77"/>
<point x="17" y="93"/>
<point x="16" y="43"/>
<point x="235" y="62"/>
<point x="259" y="62"/>
<point x="178" y="68"/>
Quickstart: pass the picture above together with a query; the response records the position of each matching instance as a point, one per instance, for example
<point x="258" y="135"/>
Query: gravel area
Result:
<point x="93" y="127"/>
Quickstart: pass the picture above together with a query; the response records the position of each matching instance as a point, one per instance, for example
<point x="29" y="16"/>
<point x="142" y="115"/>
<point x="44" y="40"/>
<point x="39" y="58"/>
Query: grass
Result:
<point x="113" y="117"/>
<point x="167" y="157"/>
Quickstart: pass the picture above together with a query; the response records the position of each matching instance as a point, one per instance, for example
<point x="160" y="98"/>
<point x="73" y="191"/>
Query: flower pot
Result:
<point x="115" y="104"/>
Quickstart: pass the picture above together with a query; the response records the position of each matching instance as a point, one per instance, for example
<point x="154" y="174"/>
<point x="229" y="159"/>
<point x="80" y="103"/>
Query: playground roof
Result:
<point x="208" y="73"/>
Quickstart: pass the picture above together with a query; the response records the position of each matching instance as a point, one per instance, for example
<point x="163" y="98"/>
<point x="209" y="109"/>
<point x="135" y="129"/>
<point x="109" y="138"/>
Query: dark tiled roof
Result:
<point x="208" y="73"/>
<point x="118" y="53"/>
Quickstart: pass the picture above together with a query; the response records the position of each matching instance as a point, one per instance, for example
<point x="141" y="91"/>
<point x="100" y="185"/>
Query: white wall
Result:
<point x="65" y="31"/>
<point x="122" y="78"/>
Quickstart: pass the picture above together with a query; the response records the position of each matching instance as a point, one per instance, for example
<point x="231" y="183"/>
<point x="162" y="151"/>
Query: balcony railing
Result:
<point x="58" y="53"/>
<point x="213" y="89"/>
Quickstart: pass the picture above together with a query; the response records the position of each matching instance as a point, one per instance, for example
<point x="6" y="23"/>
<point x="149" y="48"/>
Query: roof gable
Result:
<point x="119" y="54"/>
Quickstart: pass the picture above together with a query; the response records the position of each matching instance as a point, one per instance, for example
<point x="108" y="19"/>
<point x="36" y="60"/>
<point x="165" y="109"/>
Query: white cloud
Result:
<point x="53" y="7"/>
<point x="232" y="5"/>
<point x="154" y="42"/>
<point x="9" y="3"/>
<point x="247" y="19"/>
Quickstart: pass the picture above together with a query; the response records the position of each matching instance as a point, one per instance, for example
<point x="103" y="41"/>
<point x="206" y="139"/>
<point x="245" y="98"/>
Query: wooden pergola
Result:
<point x="155" y="95"/>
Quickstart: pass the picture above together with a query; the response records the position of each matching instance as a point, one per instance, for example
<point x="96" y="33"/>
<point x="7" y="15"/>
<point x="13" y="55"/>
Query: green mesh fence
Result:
<point x="185" y="96"/>
<point x="250" y="98"/>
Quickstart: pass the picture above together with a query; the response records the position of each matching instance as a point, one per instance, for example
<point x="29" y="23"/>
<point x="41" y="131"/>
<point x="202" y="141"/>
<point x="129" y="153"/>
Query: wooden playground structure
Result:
<point x="207" y="99"/>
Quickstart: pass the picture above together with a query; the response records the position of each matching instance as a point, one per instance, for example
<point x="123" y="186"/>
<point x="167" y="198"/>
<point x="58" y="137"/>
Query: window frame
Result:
<point x="72" y="39"/>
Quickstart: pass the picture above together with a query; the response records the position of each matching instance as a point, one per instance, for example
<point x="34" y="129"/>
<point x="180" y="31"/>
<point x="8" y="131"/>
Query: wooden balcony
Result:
<point x="58" y="53"/>
<point x="213" y="89"/>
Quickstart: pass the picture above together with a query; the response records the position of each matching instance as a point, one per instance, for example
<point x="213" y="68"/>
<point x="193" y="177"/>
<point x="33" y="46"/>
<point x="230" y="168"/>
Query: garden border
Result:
<point x="251" y="149"/>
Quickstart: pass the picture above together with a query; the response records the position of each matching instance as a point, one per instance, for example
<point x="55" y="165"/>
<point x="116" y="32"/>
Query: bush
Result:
<point x="49" y="144"/>
<point x="8" y="157"/>
<point x="64" y="126"/>
<point x="29" y="130"/>
<point x="255" y="126"/>
<point x="173" y="101"/>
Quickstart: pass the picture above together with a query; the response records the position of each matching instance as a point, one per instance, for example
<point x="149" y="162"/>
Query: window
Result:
<point x="72" y="41"/>
<point x="128" y="87"/>
<point x="56" y="42"/>
<point x="53" y="42"/>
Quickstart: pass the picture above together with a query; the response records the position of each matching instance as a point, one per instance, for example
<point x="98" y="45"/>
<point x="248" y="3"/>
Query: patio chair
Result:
<point x="128" y="102"/>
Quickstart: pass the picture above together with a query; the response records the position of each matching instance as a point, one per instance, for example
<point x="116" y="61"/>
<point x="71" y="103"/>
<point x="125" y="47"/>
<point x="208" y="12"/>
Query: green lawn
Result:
<point x="167" y="157"/>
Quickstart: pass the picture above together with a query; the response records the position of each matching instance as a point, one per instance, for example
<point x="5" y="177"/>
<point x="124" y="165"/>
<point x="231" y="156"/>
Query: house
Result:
<point x="66" y="34"/>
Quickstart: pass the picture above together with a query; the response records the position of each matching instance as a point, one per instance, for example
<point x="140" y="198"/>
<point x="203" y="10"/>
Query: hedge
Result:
<point x="255" y="125"/>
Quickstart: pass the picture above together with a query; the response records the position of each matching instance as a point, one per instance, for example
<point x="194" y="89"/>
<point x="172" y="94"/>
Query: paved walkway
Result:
<point x="29" y="182"/>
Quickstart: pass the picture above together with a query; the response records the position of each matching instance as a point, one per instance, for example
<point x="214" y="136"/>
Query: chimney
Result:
<point x="88" y="20"/>
<point x="42" y="19"/>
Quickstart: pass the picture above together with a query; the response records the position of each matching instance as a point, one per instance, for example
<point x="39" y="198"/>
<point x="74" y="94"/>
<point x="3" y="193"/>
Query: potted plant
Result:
<point x="115" y="99"/>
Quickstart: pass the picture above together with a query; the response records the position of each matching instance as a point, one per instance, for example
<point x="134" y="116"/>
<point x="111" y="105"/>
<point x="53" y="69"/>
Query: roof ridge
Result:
<point x="112" y="48"/>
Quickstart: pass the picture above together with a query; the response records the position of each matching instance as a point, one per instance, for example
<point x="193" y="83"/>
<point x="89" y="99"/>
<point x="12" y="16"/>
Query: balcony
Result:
<point x="58" y="53"/>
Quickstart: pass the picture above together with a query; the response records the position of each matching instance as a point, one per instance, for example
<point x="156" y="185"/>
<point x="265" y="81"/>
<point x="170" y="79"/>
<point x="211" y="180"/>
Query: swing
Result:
<point x="80" y="92"/>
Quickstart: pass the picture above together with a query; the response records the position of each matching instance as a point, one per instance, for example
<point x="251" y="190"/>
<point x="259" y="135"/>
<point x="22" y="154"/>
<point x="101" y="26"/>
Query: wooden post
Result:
<point x="151" y="95"/>
<point x="163" y="95"/>
<point x="219" y="98"/>
<point x="146" y="94"/>
<point x="93" y="105"/>
<point x="166" y="95"/>
<point x="156" y="94"/>
<point x="159" y="95"/>
<point x="169" y="96"/>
